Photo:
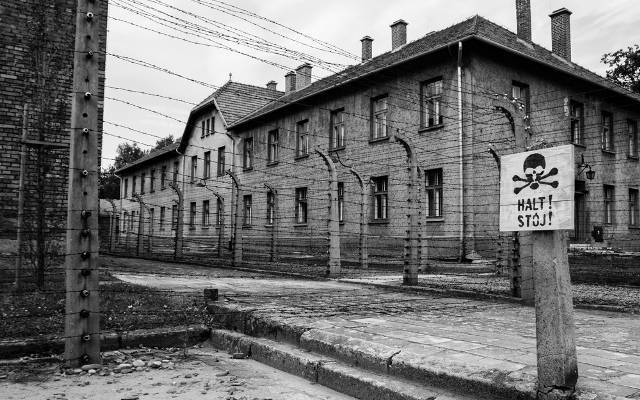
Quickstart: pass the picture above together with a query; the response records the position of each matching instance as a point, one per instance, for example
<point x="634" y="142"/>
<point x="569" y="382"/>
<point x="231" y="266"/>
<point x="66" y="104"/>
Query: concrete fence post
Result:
<point x="274" y="225"/>
<point x="112" y="225"/>
<point x="177" y="253"/>
<point x="333" y="222"/>
<point x="237" y="235"/>
<point x="362" y="236"/>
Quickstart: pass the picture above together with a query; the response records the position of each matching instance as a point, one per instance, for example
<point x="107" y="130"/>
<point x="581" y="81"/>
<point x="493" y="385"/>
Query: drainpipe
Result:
<point x="460" y="143"/>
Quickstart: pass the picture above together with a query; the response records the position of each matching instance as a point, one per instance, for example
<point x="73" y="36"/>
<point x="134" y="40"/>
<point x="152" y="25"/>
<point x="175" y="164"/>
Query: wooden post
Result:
<point x="237" y="237"/>
<point x="411" y="257"/>
<point x="555" y="329"/>
<point x="362" y="235"/>
<point x="334" y="264"/>
<point x="20" y="227"/>
<point x="177" y="253"/>
<point x="82" y="311"/>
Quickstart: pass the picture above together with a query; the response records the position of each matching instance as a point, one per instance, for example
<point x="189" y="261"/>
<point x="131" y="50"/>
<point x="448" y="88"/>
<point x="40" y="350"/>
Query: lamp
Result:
<point x="590" y="174"/>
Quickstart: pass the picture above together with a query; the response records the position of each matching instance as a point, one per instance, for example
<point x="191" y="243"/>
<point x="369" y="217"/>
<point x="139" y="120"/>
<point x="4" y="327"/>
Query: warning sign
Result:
<point x="537" y="190"/>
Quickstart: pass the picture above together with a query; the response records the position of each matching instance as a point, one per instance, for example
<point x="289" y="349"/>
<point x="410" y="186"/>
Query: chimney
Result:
<point x="523" y="18"/>
<point x="367" y="52"/>
<point x="271" y="85"/>
<point x="561" y="33"/>
<point x="398" y="34"/>
<point x="289" y="82"/>
<point x="303" y="76"/>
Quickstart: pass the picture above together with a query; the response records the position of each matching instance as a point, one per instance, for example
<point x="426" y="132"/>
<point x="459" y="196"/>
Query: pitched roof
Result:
<point x="475" y="27"/>
<point x="233" y="100"/>
<point x="154" y="155"/>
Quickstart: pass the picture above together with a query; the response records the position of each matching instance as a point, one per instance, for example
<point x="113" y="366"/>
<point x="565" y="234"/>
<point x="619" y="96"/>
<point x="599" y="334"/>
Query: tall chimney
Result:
<point x="289" y="82"/>
<point x="271" y="85"/>
<point x="303" y="76"/>
<point x="523" y="18"/>
<point x="367" y="48"/>
<point x="398" y="34"/>
<point x="561" y="33"/>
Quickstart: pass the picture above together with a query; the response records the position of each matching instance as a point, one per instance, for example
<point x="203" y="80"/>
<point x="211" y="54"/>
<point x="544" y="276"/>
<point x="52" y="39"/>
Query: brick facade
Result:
<point x="37" y="42"/>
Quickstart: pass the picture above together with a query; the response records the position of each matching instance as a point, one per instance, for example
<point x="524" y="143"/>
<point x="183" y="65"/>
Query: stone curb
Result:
<point x="361" y="353"/>
<point x="162" y="337"/>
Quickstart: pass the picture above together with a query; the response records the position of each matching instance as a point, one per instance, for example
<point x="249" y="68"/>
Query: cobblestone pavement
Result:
<point x="467" y="334"/>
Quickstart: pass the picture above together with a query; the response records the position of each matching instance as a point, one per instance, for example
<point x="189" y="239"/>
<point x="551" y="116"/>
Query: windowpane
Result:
<point x="380" y="196"/>
<point x="175" y="172"/>
<point x="520" y="93"/>
<point x="577" y="122"/>
<point x="192" y="215"/>
<point x="162" y="216"/>
<point x="208" y="127"/>
<point x="207" y="165"/>
<point x="202" y="129"/>
<point x="271" y="208"/>
<point x="607" y="131"/>
<point x="302" y="134"/>
<point x="221" y="155"/>
<point x="163" y="177"/>
<point x="632" y="129"/>
<point x="133" y="185"/>
<point x="634" y="208"/>
<point x="194" y="168"/>
<point x="608" y="204"/>
<point x="248" y="213"/>
<point x="174" y="217"/>
<point x="152" y="181"/>
<point x="142" y="178"/>
<point x="337" y="129"/>
<point x="248" y="153"/>
<point x="341" y="201"/>
<point x="379" y="118"/>
<point x="301" y="205"/>
<point x="431" y="103"/>
<point x="433" y="189"/>
<point x="272" y="146"/>
<point x="205" y="213"/>
<point x="220" y="212"/>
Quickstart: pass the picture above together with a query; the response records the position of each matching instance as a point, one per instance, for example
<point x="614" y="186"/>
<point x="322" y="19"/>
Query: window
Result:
<point x="133" y="220"/>
<point x="174" y="217"/>
<point x="194" y="168"/>
<point x="272" y="146"/>
<point x="608" y="204"/>
<point x="634" y="208"/>
<point x="220" y="161"/>
<point x="176" y="164"/>
<point x="192" y="215"/>
<point x="379" y="118"/>
<point x="125" y="221"/>
<point x="126" y="188"/>
<point x="163" y="210"/>
<point x="152" y="181"/>
<point x="207" y="165"/>
<point x="341" y="201"/>
<point x="247" y="216"/>
<point x="133" y="185"/>
<point x="219" y="212"/>
<point x="337" y="129"/>
<point x="380" y="196"/>
<point x="607" y="131"/>
<point x="247" y="157"/>
<point x="301" y="205"/>
<point x="632" y="129"/>
<point x="213" y="126"/>
<point x="302" y="138"/>
<point x="433" y="191"/>
<point x="271" y="208"/>
<point x="520" y="92"/>
<point x="152" y="213"/>
<point x="431" y="103"/>
<point x="208" y="131"/>
<point x="576" y="111"/>
<point x="142" y="179"/>
<point x="205" y="213"/>
<point x="163" y="177"/>
<point x="202" y="130"/>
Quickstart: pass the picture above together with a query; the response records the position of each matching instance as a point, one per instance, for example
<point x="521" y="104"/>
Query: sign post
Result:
<point x="537" y="194"/>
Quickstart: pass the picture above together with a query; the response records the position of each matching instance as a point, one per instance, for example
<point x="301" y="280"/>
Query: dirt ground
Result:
<point x="204" y="374"/>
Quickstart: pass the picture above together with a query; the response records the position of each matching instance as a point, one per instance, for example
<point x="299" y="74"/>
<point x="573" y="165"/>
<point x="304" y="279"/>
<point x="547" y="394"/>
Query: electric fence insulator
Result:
<point x="85" y="359"/>
<point x="85" y="172"/>
<point x="86" y="337"/>
<point x="89" y="16"/>
<point x="85" y="213"/>
<point x="84" y="255"/>
<point x="89" y="54"/>
<point x="85" y="272"/>
<point x="86" y="232"/>
<point x="85" y="131"/>
<point x="87" y="95"/>
<point x="84" y="293"/>
<point x="84" y="313"/>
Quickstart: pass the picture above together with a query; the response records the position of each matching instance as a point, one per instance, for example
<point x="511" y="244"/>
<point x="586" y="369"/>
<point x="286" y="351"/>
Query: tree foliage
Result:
<point x="624" y="67"/>
<point x="126" y="154"/>
<point x="164" y="142"/>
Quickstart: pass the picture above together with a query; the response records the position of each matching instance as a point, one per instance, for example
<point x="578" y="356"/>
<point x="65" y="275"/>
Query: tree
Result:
<point x="624" y="67"/>
<point x="164" y="142"/>
<point x="108" y="184"/>
<point x="127" y="153"/>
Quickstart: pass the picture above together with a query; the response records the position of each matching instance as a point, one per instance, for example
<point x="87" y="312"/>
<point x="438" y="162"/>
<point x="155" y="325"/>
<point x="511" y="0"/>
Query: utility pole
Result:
<point x="412" y="241"/>
<point x="334" y="265"/>
<point x="82" y="311"/>
<point x="237" y="237"/>
<point x="177" y="253"/>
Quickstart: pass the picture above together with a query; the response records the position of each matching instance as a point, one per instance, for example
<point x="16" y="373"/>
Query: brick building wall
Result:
<point x="36" y="70"/>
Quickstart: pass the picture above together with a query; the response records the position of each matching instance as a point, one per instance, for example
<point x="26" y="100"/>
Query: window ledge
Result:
<point x="192" y="228"/>
<point x="246" y="169"/>
<point x="431" y="128"/>
<point x="152" y="191"/>
<point x="300" y="225"/>
<point x="244" y="226"/>
<point x="584" y="146"/>
<point x="378" y="140"/>
<point x="435" y="219"/>
<point x="272" y="163"/>
<point x="205" y="227"/>
<point x="220" y="175"/>
<point x="379" y="222"/>
<point x="268" y="225"/>
<point x="336" y="148"/>
<point x="610" y="152"/>
<point x="634" y="227"/>
<point x="634" y="158"/>
<point x="301" y="157"/>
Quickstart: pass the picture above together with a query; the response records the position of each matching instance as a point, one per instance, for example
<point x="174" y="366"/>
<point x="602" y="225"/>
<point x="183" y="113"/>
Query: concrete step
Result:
<point x="330" y="372"/>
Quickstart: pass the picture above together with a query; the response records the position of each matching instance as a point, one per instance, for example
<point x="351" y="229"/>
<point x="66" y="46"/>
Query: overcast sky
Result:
<point x="597" y="27"/>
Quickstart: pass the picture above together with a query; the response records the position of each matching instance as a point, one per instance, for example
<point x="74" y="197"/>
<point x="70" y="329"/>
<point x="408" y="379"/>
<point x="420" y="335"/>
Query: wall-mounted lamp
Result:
<point x="590" y="174"/>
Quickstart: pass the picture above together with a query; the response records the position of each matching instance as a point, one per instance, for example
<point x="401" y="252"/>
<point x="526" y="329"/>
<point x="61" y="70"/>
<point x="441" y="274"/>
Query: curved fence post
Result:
<point x="333" y="266"/>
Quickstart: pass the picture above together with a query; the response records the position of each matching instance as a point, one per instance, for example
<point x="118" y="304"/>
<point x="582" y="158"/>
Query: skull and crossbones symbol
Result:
<point x="534" y="167"/>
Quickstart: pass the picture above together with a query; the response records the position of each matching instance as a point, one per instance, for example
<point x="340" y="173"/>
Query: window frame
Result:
<point x="380" y="194"/>
<point x="607" y="136"/>
<point x="134" y="180"/>
<point x="208" y="130"/>
<point x="194" y="168"/>
<point x="426" y="98"/>
<point x="174" y="217"/>
<point x="163" y="177"/>
<point x="176" y="172"/>
<point x="247" y="153"/>
<point x="634" y="208"/>
<point x="334" y="143"/>
<point x="271" y="208"/>
<point x="527" y="98"/>
<point x="247" y="207"/>
<point x="373" y="136"/>
<point x="126" y="188"/>
<point x="152" y="180"/>
<point x="163" y="211"/>
<point x="206" y="221"/>
<point x="202" y="129"/>
<point x="301" y="206"/>
<point x="302" y="138"/>
<point x="576" y="120"/>
<point x="219" y="212"/>
<point x="193" y="211"/>
<point x="206" y="170"/>
<point x="608" y="198"/>
<point x="143" y="175"/>
<point x="341" y="202"/>
<point x="221" y="161"/>
<point x="632" y="138"/>
<point x="273" y="146"/>
<point x="434" y="193"/>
